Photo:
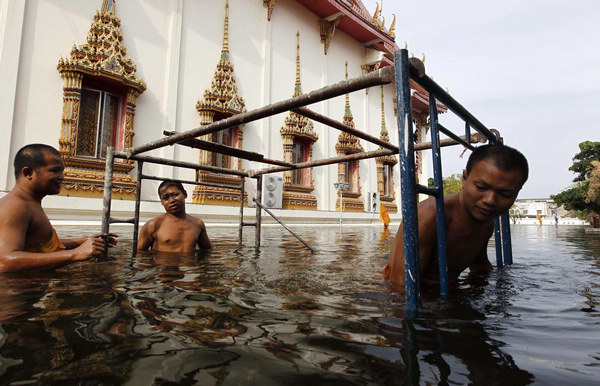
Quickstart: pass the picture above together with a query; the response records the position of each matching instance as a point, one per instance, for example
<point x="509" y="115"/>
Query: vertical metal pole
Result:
<point x="439" y="199"/>
<point x="498" y="243"/>
<point x="408" y="183"/>
<point x="341" y="208"/>
<point x="467" y="132"/>
<point x="258" y="213"/>
<point x="138" y="199"/>
<point x="506" y="241"/>
<point x="240" y="231"/>
<point x="108" y="184"/>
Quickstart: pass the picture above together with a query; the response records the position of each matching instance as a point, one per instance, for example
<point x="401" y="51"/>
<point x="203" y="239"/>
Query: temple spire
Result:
<point x="298" y="88"/>
<point x="108" y="6"/>
<point x="225" y="49"/>
<point x="383" y="129"/>
<point x="347" y="94"/>
<point x="226" y="31"/>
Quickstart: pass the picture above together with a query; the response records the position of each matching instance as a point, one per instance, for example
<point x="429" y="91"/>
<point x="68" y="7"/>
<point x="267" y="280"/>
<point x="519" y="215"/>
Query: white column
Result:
<point x="12" y="15"/>
<point x="171" y="100"/>
<point x="328" y="171"/>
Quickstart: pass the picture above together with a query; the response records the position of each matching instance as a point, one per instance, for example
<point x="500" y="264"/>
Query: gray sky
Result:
<point x="530" y="69"/>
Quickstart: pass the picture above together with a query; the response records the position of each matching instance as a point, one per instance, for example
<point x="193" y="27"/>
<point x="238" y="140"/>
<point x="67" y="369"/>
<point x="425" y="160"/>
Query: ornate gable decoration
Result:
<point x="389" y="159"/>
<point x="104" y="53"/>
<point x="297" y="125"/>
<point x="222" y="96"/>
<point x="348" y="143"/>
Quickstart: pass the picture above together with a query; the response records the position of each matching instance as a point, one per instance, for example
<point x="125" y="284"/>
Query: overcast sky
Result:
<point x="530" y="69"/>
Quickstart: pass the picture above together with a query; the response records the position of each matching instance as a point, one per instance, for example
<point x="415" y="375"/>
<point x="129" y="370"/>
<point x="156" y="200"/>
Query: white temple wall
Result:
<point x="176" y="45"/>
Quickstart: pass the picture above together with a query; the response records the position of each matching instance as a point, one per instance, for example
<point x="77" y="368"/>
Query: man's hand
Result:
<point x="92" y="247"/>
<point x="112" y="238"/>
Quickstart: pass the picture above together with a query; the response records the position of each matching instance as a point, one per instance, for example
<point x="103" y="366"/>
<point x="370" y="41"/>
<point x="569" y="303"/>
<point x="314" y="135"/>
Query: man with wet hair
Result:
<point x="27" y="239"/>
<point x="493" y="177"/>
<point x="174" y="231"/>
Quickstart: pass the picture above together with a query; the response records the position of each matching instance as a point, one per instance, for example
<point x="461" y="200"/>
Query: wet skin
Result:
<point x="174" y="231"/>
<point x="24" y="224"/>
<point x="487" y="192"/>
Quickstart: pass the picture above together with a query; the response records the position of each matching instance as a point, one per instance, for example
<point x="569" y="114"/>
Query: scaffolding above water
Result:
<point x="402" y="73"/>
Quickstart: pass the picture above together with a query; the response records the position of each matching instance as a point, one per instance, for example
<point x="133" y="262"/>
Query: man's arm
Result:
<point x="481" y="263"/>
<point x="427" y="243"/>
<point x="13" y="229"/>
<point x="74" y="243"/>
<point x="203" y="240"/>
<point x="146" y="238"/>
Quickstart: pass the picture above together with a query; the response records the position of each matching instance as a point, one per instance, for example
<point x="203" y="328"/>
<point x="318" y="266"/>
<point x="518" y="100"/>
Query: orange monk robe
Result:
<point x="51" y="245"/>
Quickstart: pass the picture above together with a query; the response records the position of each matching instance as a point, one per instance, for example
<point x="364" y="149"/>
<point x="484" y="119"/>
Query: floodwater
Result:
<point x="285" y="316"/>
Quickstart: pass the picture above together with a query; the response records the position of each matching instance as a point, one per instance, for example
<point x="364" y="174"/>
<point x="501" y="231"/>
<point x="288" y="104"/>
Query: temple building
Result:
<point x="84" y="75"/>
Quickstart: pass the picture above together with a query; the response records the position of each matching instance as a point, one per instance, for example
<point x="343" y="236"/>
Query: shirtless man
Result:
<point x="493" y="177"/>
<point x="27" y="240"/>
<point x="174" y="231"/>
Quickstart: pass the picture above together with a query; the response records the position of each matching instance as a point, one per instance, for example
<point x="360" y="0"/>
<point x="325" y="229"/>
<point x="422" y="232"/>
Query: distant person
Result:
<point x="27" y="240"/>
<point x="174" y="231"/>
<point x="493" y="177"/>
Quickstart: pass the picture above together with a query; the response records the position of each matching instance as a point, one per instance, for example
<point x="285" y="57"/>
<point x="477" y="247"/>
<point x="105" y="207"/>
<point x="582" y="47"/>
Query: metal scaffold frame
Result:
<point x="403" y="71"/>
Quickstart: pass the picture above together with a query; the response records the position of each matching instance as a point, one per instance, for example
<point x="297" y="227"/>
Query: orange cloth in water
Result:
<point x="386" y="272"/>
<point x="51" y="245"/>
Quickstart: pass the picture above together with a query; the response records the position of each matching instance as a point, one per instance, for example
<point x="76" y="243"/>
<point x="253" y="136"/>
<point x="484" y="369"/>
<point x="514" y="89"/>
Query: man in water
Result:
<point x="493" y="177"/>
<point x="174" y="231"/>
<point x="27" y="239"/>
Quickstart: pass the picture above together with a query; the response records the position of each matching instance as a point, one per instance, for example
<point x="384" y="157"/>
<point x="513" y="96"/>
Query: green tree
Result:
<point x="582" y="197"/>
<point x="593" y="194"/>
<point x="451" y="184"/>
<point x="582" y="161"/>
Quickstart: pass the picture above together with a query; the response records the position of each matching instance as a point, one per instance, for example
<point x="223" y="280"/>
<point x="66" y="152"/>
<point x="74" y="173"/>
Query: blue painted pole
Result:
<point x="408" y="181"/>
<point x="440" y="217"/>
<point x="506" y="241"/>
<point x="498" y="240"/>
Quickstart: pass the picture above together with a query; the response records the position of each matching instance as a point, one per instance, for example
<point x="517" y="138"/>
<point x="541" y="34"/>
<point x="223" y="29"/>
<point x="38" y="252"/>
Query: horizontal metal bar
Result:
<point x="182" y="164"/>
<point x="249" y="224"/>
<point x="192" y="182"/>
<point x="433" y="88"/>
<point x="427" y="190"/>
<point x="113" y="220"/>
<point x="375" y="78"/>
<point x="228" y="150"/>
<point x="443" y="143"/>
<point x="462" y="140"/>
<point x="327" y="161"/>
<point x="342" y="127"/>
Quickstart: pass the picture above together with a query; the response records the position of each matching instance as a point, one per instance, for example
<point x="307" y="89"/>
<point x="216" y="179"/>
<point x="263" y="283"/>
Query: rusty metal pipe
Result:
<point x="327" y="161"/>
<point x="182" y="164"/>
<point x="342" y="127"/>
<point x="375" y="78"/>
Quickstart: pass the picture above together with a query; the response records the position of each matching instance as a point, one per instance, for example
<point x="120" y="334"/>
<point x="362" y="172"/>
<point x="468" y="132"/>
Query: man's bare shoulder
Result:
<point x="426" y="209"/>
<point x="14" y="205"/>
<point x="196" y="221"/>
<point x="155" y="222"/>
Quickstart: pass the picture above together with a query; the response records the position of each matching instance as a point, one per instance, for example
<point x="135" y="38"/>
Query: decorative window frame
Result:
<point x="298" y="128"/>
<point x="221" y="101"/>
<point x="102" y="61"/>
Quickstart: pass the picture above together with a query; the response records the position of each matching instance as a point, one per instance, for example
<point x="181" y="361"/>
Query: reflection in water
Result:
<point x="286" y="316"/>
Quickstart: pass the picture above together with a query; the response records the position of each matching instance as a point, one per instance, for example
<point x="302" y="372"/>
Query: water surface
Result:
<point x="286" y="316"/>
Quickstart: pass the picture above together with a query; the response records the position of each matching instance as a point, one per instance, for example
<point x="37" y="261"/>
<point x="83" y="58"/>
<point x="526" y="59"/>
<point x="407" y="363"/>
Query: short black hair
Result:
<point x="502" y="156"/>
<point x="33" y="156"/>
<point x="167" y="184"/>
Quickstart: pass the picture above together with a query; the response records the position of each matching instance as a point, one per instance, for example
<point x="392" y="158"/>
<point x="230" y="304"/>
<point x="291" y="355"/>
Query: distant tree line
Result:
<point x="583" y="197"/>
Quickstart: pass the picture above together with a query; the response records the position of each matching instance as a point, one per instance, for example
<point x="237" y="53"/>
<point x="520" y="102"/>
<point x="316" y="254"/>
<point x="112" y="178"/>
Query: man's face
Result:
<point x="488" y="191"/>
<point x="48" y="179"/>
<point x="173" y="200"/>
